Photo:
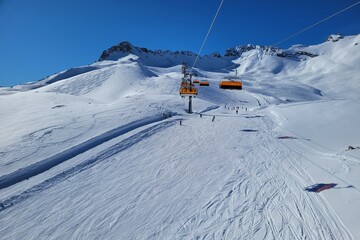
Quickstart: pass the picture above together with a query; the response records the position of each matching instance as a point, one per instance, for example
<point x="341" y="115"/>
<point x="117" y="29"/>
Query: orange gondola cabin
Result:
<point x="231" y="83"/>
<point x="204" y="83"/>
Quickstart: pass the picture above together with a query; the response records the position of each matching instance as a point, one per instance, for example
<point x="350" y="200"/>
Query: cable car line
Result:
<point x="187" y="88"/>
<point x="315" y="24"/>
<point x="207" y="35"/>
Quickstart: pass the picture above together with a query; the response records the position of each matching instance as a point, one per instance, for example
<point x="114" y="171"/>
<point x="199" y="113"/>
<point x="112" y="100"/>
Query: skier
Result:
<point x="213" y="118"/>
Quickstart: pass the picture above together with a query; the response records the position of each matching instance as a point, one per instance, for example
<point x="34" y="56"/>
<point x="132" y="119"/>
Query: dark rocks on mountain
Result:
<point x="231" y="52"/>
<point x="307" y="54"/>
<point x="237" y="51"/>
<point x="273" y="51"/>
<point x="144" y="50"/>
<point x="295" y="54"/>
<point x="335" y="37"/>
<point x="186" y="53"/>
<point x="125" y="47"/>
<point x="216" y="55"/>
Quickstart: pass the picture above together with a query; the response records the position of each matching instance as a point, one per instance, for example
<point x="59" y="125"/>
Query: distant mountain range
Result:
<point x="124" y="48"/>
<point x="336" y="56"/>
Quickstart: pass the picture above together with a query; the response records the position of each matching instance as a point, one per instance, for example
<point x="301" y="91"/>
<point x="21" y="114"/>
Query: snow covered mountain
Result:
<point x="167" y="58"/>
<point x="98" y="151"/>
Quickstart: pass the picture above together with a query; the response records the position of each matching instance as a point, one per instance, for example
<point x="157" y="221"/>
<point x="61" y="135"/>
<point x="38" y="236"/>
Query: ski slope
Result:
<point x="98" y="152"/>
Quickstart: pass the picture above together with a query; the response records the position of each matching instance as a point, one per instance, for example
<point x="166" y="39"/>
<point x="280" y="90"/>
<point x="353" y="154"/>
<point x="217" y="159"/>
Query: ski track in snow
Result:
<point x="103" y="155"/>
<point x="46" y="164"/>
<point x="264" y="199"/>
<point x="40" y="136"/>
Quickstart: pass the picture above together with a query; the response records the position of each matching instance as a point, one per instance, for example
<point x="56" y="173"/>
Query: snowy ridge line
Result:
<point x="103" y="155"/>
<point x="50" y="162"/>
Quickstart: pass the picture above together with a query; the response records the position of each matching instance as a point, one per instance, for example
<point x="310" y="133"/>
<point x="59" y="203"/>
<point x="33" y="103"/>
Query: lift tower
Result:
<point x="187" y="88"/>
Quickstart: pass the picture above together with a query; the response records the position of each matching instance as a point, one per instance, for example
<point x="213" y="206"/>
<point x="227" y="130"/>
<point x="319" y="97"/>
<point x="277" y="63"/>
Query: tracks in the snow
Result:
<point x="72" y="152"/>
<point x="50" y="162"/>
<point x="264" y="198"/>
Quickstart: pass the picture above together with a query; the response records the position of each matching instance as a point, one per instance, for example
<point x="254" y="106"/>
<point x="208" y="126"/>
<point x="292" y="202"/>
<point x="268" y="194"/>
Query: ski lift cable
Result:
<point x="315" y="24"/>
<point x="207" y="35"/>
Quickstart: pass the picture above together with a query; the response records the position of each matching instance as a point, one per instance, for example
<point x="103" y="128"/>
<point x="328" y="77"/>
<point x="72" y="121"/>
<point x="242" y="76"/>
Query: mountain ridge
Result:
<point x="117" y="51"/>
<point x="264" y="62"/>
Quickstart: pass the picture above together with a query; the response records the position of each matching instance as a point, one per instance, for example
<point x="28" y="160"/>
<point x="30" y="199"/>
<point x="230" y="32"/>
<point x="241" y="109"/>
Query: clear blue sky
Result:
<point x="42" y="37"/>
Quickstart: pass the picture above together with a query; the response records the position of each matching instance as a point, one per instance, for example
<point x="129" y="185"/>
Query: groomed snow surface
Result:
<point x="99" y="152"/>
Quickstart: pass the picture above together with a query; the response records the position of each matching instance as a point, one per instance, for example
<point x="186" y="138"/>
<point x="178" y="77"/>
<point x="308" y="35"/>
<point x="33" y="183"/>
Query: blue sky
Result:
<point x="42" y="37"/>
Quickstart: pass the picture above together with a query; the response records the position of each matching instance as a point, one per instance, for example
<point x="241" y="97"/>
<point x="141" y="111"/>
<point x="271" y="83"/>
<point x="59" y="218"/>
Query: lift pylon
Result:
<point x="187" y="88"/>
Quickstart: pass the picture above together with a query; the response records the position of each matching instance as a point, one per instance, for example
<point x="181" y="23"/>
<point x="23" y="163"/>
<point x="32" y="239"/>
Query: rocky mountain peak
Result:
<point x="267" y="50"/>
<point x="334" y="37"/>
<point x="124" y="47"/>
<point x="239" y="50"/>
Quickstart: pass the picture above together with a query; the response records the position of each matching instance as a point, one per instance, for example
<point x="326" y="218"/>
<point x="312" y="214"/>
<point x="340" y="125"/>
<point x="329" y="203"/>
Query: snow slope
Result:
<point x="98" y="152"/>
